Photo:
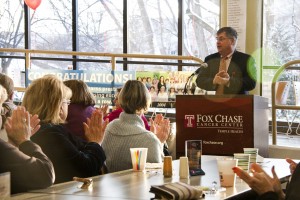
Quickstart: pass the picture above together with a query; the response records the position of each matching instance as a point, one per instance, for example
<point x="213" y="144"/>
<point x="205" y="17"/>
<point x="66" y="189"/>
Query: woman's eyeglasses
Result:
<point x="66" y="101"/>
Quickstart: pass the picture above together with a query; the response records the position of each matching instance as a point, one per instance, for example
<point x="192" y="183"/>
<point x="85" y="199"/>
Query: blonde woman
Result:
<point x="128" y="131"/>
<point x="29" y="167"/>
<point x="49" y="98"/>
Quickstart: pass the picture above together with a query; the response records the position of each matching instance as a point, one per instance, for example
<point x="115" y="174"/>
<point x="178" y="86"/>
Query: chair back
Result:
<point x="297" y="92"/>
<point x="282" y="90"/>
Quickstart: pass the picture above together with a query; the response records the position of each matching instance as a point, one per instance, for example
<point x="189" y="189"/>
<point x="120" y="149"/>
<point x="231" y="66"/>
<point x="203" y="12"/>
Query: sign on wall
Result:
<point x="236" y="18"/>
<point x="102" y="84"/>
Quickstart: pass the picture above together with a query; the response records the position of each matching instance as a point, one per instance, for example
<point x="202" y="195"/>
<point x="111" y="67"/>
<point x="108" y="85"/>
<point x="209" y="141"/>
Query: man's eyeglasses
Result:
<point x="66" y="101"/>
<point x="221" y="39"/>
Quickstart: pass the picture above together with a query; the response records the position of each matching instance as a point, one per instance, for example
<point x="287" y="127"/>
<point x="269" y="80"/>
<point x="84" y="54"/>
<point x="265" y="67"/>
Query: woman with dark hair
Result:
<point x="161" y="83"/>
<point x="80" y="108"/>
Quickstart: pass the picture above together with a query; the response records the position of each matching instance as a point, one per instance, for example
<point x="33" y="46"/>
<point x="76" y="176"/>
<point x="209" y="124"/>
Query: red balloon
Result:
<point x="33" y="4"/>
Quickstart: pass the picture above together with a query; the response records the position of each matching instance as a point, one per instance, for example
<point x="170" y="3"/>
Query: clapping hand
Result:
<point x="260" y="182"/>
<point x="221" y="78"/>
<point x="160" y="127"/>
<point x="18" y="126"/>
<point x="104" y="109"/>
<point x="34" y="124"/>
<point x="94" y="127"/>
<point x="292" y="163"/>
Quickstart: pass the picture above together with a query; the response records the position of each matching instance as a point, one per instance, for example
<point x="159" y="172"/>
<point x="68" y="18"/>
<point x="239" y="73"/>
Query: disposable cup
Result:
<point x="243" y="160"/>
<point x="138" y="158"/>
<point x="227" y="176"/>
<point x="253" y="152"/>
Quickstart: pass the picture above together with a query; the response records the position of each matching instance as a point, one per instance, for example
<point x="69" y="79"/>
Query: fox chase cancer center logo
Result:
<point x="189" y="121"/>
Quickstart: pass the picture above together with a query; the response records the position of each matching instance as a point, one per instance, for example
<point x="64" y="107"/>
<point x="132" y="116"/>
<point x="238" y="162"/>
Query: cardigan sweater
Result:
<point x="129" y="132"/>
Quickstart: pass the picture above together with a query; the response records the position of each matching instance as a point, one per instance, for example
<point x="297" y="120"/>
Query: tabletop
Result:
<point x="136" y="185"/>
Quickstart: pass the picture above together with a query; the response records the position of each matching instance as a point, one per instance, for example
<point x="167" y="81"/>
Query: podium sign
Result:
<point x="225" y="124"/>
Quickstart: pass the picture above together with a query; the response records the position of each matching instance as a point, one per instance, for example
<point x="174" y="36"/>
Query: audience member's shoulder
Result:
<point x="51" y="128"/>
<point x="152" y="136"/>
<point x="113" y="124"/>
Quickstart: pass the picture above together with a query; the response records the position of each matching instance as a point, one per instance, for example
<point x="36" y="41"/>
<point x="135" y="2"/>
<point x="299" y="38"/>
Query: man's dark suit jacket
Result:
<point x="242" y="72"/>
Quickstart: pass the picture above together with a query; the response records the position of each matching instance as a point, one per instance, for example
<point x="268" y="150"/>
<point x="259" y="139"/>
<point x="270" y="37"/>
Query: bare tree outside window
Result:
<point x="281" y="44"/>
<point x="152" y="29"/>
<point x="11" y="29"/>
<point x="51" y="29"/>
<point x="100" y="29"/>
<point x="281" y="32"/>
<point x="281" y="38"/>
<point x="201" y="21"/>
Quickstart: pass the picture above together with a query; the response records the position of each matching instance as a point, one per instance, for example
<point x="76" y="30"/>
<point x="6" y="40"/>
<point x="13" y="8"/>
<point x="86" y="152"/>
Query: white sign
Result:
<point x="236" y="18"/>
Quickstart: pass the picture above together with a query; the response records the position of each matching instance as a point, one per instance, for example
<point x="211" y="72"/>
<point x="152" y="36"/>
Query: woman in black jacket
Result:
<point x="49" y="98"/>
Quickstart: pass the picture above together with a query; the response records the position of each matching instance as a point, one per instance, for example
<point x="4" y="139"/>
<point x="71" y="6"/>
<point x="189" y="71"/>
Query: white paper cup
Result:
<point x="227" y="176"/>
<point x="138" y="158"/>
<point x="253" y="152"/>
<point x="243" y="160"/>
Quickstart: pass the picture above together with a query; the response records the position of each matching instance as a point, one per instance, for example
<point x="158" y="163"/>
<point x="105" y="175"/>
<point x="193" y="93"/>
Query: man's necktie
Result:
<point x="222" y="67"/>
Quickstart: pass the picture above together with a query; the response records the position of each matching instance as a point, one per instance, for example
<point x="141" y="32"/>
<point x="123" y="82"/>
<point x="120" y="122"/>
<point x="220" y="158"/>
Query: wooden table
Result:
<point x="136" y="185"/>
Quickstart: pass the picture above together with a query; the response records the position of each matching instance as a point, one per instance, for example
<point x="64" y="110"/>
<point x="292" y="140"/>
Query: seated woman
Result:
<point x="128" y="131"/>
<point x="29" y="167"/>
<point x="49" y="98"/>
<point x="80" y="108"/>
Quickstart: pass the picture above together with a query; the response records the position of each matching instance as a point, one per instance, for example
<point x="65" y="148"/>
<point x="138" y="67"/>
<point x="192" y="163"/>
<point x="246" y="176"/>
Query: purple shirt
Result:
<point x="77" y="114"/>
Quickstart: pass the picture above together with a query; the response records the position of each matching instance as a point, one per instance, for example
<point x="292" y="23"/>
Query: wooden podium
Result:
<point x="225" y="124"/>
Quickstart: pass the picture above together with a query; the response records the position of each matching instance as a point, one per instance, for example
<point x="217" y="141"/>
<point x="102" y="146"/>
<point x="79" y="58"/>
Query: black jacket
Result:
<point x="70" y="155"/>
<point x="242" y="72"/>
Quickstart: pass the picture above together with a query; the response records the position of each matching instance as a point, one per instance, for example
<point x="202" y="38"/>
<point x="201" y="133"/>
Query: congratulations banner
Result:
<point x="102" y="84"/>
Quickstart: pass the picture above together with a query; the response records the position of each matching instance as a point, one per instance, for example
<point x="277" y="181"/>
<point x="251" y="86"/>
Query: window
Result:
<point x="12" y="36"/>
<point x="201" y="22"/>
<point x="281" y="44"/>
<point x="100" y="28"/>
<point x="152" y="28"/>
<point x="281" y="37"/>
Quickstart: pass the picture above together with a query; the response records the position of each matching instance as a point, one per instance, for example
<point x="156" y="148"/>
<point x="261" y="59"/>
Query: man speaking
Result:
<point x="229" y="71"/>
